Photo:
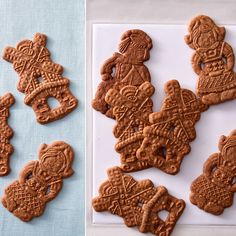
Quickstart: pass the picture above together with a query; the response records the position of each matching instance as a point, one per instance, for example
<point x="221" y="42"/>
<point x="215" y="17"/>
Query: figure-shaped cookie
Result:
<point x="213" y="61"/>
<point x="124" y="68"/>
<point x="131" y="107"/>
<point x="31" y="60"/>
<point x="214" y="190"/>
<point x="138" y="203"/>
<point x="166" y="140"/>
<point x="6" y="149"/>
<point x="39" y="182"/>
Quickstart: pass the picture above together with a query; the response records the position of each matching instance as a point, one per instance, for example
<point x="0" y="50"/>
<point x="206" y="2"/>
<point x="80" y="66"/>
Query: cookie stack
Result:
<point x="162" y="139"/>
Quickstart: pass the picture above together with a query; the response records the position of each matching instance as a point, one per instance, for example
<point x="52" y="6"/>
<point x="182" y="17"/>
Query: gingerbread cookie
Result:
<point x="138" y="203"/>
<point x="31" y="60"/>
<point x="213" y="61"/>
<point x="214" y="190"/>
<point x="124" y="68"/>
<point x="39" y="182"/>
<point x="166" y="140"/>
<point x="131" y="107"/>
<point x="6" y="101"/>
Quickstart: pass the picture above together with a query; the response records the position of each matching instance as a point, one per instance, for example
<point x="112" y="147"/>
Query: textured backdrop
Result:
<point x="63" y="23"/>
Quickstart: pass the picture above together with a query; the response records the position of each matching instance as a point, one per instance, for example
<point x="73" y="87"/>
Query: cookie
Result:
<point x="214" y="189"/>
<point x="131" y="107"/>
<point x="124" y="68"/>
<point x="138" y="203"/>
<point x="213" y="61"/>
<point x="39" y="182"/>
<point x="6" y="101"/>
<point x="40" y="79"/>
<point x="166" y="139"/>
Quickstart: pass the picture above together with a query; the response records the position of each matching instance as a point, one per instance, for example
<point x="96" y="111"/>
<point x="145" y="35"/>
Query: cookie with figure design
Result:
<point x="6" y="101"/>
<point x="166" y="139"/>
<point x="124" y="68"/>
<point x="131" y="106"/>
<point x="39" y="182"/>
<point x="138" y="203"/>
<point x="213" y="61"/>
<point x="214" y="189"/>
<point x="31" y="60"/>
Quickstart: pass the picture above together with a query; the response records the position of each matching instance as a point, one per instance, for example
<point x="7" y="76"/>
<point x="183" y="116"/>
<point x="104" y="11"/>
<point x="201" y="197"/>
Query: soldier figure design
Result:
<point x="127" y="65"/>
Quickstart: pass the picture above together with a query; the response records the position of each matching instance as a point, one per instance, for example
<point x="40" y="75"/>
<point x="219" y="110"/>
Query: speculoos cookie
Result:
<point x="214" y="189"/>
<point x="131" y="106"/>
<point x="40" y="79"/>
<point x="124" y="68"/>
<point x="166" y="139"/>
<point x="213" y="61"/>
<point x="39" y="182"/>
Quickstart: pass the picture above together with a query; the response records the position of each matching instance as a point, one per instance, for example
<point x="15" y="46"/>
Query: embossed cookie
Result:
<point x="40" y="79"/>
<point x="138" y="203"/>
<point x="124" y="68"/>
<point x="131" y="107"/>
<point x="39" y="182"/>
<point x="166" y="139"/>
<point x="214" y="190"/>
<point x="213" y="61"/>
<point x="6" y="149"/>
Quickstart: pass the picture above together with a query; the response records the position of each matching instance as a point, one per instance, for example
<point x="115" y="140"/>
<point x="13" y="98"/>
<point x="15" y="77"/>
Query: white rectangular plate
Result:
<point x="170" y="59"/>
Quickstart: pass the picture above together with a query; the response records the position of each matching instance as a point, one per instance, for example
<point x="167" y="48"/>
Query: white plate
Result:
<point x="170" y="59"/>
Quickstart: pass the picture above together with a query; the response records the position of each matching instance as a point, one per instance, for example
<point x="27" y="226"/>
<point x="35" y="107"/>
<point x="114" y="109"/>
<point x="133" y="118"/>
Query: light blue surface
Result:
<point x="63" y="22"/>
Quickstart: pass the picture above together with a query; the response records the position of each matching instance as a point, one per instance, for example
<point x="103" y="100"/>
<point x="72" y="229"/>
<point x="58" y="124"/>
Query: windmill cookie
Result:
<point x="6" y="101"/>
<point x="213" y="61"/>
<point x="131" y="107"/>
<point x="214" y="190"/>
<point x="138" y="203"/>
<point x="39" y="182"/>
<point x="166" y="139"/>
<point x="31" y="60"/>
<point x="124" y="68"/>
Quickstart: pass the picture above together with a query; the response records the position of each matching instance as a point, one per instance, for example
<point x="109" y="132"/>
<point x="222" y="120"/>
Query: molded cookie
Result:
<point x="214" y="190"/>
<point x="131" y="107"/>
<point x="6" y="133"/>
<point x="213" y="61"/>
<point x="138" y="203"/>
<point x="31" y="60"/>
<point x="39" y="182"/>
<point x="124" y="68"/>
<point x="166" y="140"/>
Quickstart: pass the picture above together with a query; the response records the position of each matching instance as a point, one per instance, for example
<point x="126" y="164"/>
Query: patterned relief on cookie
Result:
<point x="138" y="203"/>
<point x="40" y="79"/>
<point x="166" y="140"/>
<point x="214" y="190"/>
<point x="6" y="101"/>
<point x="39" y="182"/>
<point x="131" y="107"/>
<point x="124" y="68"/>
<point x="213" y="61"/>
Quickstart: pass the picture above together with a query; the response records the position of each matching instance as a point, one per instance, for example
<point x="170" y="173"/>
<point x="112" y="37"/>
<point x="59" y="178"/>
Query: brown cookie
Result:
<point x="214" y="190"/>
<point x="124" y="68"/>
<point x="166" y="140"/>
<point x="138" y="203"/>
<point x="213" y="61"/>
<point x="6" y="101"/>
<point x="31" y="60"/>
<point x="131" y="107"/>
<point x="39" y="182"/>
